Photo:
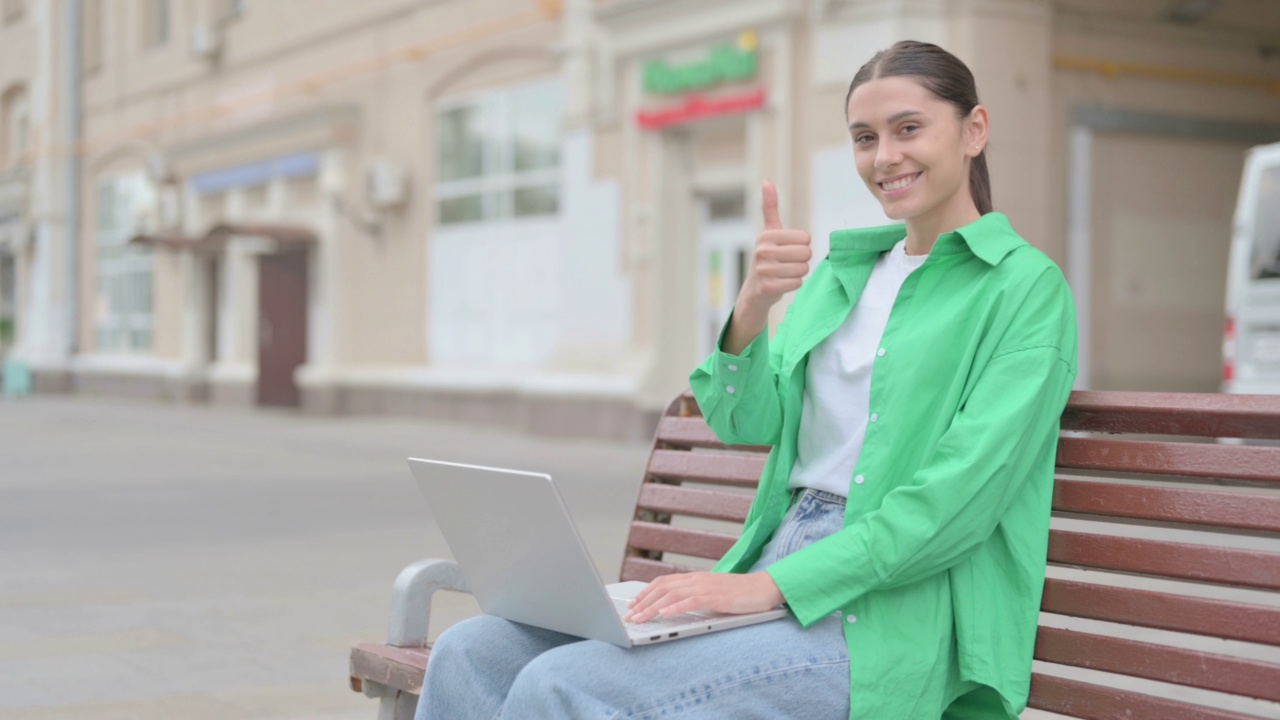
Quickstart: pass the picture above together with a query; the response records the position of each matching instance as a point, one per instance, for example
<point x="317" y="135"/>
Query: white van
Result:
<point x="1251" y="343"/>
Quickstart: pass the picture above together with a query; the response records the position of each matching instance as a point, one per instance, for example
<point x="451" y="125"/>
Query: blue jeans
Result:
<point x="487" y="668"/>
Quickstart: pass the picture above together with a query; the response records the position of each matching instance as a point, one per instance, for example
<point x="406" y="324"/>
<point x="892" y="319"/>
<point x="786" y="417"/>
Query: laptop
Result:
<point x="524" y="560"/>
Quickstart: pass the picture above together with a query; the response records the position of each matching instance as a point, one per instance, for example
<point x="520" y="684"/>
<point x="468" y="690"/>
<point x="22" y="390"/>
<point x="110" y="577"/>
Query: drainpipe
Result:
<point x="73" y="177"/>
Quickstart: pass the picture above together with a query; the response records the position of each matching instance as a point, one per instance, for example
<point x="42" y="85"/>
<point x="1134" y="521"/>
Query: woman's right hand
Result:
<point x="780" y="260"/>
<point x="778" y="266"/>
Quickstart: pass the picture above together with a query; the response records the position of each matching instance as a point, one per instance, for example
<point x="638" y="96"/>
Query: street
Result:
<point x="195" y="562"/>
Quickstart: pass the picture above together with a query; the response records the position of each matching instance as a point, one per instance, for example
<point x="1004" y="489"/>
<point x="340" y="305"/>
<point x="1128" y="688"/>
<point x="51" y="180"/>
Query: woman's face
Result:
<point x="912" y="150"/>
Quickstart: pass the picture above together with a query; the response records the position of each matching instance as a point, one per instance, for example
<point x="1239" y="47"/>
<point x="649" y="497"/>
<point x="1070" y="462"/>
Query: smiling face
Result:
<point x="913" y="152"/>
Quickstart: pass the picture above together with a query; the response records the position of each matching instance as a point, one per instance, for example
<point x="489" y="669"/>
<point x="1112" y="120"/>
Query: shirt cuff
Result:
<point x="730" y="373"/>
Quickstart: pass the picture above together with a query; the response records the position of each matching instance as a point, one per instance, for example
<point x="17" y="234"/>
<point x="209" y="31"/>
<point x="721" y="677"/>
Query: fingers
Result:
<point x="658" y="597"/>
<point x="769" y="203"/>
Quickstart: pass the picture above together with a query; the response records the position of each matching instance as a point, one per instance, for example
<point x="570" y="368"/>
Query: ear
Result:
<point x="976" y="125"/>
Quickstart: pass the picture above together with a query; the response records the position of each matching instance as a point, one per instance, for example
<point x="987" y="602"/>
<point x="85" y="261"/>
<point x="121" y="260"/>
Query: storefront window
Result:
<point x="499" y="156"/>
<point x="123" y="304"/>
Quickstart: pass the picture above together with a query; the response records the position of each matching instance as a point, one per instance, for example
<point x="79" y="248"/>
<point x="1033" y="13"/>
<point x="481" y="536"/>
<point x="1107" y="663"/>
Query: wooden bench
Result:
<point x="1163" y="591"/>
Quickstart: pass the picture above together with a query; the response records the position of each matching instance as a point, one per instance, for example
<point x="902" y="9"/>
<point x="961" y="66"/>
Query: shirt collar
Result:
<point x="990" y="238"/>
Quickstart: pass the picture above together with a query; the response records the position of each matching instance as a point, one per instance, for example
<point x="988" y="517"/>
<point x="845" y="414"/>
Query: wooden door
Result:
<point x="282" y="326"/>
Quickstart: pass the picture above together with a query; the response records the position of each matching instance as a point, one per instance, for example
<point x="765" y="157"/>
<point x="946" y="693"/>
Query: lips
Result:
<point x="898" y="183"/>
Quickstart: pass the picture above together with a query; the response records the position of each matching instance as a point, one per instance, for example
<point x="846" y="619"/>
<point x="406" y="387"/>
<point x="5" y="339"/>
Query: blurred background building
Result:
<point x="538" y="213"/>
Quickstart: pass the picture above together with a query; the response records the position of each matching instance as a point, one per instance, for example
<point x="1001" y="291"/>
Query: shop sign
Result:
<point x="725" y="63"/>
<point x="696" y="107"/>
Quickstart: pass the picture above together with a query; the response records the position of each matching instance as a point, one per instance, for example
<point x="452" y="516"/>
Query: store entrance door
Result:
<point x="727" y="240"/>
<point x="282" y="326"/>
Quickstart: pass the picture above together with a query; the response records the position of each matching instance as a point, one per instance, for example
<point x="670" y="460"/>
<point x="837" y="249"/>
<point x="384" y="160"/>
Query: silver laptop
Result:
<point x="521" y="554"/>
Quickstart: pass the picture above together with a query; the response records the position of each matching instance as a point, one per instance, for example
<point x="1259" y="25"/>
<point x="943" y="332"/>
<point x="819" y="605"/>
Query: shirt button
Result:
<point x="852" y="619"/>
<point x="860" y="479"/>
<point x="875" y="417"/>
<point x="733" y="368"/>
<point x="880" y="352"/>
<point x="729" y="389"/>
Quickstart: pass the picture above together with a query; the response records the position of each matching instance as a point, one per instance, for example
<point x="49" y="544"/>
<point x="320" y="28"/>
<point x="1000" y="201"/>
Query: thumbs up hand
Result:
<point x="780" y="260"/>
<point x="778" y="266"/>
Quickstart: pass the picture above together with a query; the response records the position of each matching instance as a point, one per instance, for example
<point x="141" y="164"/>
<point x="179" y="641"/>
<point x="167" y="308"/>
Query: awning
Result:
<point x="282" y="233"/>
<point x="172" y="241"/>
<point x="216" y="239"/>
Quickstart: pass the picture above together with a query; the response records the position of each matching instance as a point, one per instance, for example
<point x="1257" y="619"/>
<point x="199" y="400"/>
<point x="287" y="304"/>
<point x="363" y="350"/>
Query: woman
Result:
<point x="912" y="396"/>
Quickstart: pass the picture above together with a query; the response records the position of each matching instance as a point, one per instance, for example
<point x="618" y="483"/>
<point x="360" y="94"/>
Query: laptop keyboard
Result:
<point x="658" y="623"/>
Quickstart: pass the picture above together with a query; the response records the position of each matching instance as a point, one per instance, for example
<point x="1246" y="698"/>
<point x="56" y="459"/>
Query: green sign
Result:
<point x="726" y="62"/>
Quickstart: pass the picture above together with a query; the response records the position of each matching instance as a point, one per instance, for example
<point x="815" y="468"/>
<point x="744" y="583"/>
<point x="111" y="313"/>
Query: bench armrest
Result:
<point x="411" y="599"/>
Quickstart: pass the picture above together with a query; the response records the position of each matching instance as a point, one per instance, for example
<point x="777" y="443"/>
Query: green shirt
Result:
<point x="940" y="566"/>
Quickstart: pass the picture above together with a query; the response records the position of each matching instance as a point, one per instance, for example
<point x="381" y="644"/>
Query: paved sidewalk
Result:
<point x="208" y="563"/>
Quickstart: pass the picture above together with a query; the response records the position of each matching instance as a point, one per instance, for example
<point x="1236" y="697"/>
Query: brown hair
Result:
<point x="942" y="74"/>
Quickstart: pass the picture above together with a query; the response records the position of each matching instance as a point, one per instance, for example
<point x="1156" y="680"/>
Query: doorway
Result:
<point x="8" y="301"/>
<point x="726" y="241"/>
<point x="282" y="326"/>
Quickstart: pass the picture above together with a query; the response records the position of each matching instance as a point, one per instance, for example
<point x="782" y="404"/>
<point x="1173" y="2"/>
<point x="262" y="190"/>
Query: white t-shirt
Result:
<point x="837" y="389"/>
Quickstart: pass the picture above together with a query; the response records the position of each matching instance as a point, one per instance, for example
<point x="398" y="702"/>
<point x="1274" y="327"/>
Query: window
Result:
<point x="1265" y="260"/>
<point x="499" y="156"/>
<point x="123" y="302"/>
<point x="155" y="30"/>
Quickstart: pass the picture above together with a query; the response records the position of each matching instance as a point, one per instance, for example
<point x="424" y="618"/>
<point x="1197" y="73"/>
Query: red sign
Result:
<point x="695" y="107"/>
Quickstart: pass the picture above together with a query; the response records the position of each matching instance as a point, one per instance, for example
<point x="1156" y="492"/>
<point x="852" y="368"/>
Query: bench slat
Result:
<point x="1246" y="511"/>
<point x="685" y="541"/>
<point x="645" y="570"/>
<point x="1165" y="611"/>
<point x="677" y="500"/>
<point x="1232" y="566"/>
<point x="1171" y="458"/>
<point x="1194" y="668"/>
<point x="694" y="432"/>
<point x="1194" y="414"/>
<point x="400" y="668"/>
<point x="739" y="470"/>
<point x="1096" y="702"/>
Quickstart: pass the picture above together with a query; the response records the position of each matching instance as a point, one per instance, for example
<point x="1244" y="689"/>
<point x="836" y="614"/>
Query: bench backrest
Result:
<point x="1163" y="590"/>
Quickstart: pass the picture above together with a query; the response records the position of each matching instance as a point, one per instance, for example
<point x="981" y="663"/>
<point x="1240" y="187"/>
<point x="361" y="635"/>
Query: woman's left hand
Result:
<point x="722" y="592"/>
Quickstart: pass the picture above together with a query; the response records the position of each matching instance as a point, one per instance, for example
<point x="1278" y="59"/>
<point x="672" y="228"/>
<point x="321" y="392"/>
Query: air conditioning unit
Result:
<point x="206" y="40"/>
<point x="385" y="184"/>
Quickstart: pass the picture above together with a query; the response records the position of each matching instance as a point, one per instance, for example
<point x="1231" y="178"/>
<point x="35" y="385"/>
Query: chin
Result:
<point x="897" y="212"/>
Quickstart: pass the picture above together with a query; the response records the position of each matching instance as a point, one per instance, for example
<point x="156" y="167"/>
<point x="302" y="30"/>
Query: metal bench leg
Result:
<point x="393" y="704"/>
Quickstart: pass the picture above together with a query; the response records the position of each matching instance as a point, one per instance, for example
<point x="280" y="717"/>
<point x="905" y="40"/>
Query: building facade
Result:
<point x="538" y="213"/>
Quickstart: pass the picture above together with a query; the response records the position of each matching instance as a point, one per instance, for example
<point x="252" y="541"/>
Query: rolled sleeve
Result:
<point x="738" y="394"/>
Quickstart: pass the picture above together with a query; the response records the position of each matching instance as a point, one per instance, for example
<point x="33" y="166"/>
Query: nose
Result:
<point x="887" y="154"/>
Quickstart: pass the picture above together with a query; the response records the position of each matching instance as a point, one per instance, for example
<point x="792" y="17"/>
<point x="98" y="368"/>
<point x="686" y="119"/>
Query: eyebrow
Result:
<point x="858" y="124"/>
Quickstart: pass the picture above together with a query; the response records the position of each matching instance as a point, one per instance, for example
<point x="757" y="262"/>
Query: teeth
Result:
<point x="898" y="184"/>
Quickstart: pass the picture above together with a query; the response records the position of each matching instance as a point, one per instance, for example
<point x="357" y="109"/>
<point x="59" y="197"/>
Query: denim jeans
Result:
<point x="486" y="667"/>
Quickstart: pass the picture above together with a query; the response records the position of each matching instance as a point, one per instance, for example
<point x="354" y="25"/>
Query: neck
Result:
<point x="923" y="230"/>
